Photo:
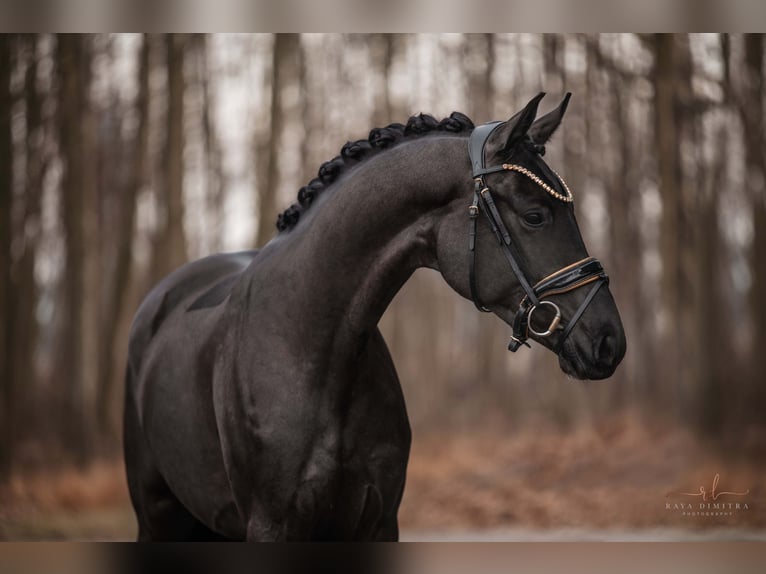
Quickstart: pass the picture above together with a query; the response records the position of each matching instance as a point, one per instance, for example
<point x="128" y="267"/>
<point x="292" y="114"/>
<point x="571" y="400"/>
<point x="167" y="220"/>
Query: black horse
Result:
<point x="262" y="402"/>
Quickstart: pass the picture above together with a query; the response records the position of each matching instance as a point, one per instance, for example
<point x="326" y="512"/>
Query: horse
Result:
<point x="262" y="403"/>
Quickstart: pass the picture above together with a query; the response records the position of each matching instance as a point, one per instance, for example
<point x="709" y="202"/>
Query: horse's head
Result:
<point x="528" y="263"/>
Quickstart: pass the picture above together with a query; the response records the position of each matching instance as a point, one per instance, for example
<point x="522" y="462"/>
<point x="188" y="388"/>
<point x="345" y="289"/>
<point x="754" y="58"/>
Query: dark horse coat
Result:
<point x="261" y="400"/>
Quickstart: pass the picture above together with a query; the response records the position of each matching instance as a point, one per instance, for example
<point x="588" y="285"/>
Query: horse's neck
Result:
<point x="339" y="269"/>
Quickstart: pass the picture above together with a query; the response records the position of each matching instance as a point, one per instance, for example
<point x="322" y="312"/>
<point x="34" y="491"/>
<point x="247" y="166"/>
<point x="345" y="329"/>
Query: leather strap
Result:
<point x="570" y="277"/>
<point x="580" y="310"/>
<point x="520" y="329"/>
<point x="473" y="214"/>
<point x="505" y="243"/>
<point x="503" y="235"/>
<point x="488" y="170"/>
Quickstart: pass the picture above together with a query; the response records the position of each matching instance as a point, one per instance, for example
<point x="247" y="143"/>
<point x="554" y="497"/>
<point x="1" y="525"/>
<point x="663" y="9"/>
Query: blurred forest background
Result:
<point x="122" y="157"/>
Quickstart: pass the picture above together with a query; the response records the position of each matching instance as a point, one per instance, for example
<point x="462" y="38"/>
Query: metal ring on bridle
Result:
<point x="554" y="323"/>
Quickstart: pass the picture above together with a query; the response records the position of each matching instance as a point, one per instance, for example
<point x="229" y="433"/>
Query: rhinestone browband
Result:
<point x="568" y="198"/>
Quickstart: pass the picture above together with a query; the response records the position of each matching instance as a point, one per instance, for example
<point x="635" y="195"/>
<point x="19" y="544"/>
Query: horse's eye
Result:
<point x="533" y="218"/>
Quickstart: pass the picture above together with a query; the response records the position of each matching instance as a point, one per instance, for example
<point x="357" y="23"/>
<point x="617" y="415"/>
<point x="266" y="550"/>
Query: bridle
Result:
<point x="584" y="272"/>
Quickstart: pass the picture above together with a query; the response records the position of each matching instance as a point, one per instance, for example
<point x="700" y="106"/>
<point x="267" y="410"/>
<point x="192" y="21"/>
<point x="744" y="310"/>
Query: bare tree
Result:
<point x="383" y="48"/>
<point x="123" y="259"/>
<point x="176" y="241"/>
<point x="29" y="230"/>
<point x="216" y="181"/>
<point x="6" y="306"/>
<point x="751" y="112"/>
<point x="78" y="367"/>
<point x="480" y="65"/>
<point x="170" y="242"/>
<point x="675" y="112"/>
<point x="708" y="310"/>
<point x="285" y="71"/>
<point x="667" y="134"/>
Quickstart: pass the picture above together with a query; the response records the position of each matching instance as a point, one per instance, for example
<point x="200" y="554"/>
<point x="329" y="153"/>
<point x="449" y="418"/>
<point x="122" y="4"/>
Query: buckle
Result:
<point x="516" y="343"/>
<point x="473" y="211"/>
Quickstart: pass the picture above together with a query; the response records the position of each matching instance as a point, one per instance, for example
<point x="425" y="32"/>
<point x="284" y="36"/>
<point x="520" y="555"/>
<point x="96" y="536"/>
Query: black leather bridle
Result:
<point x="584" y="272"/>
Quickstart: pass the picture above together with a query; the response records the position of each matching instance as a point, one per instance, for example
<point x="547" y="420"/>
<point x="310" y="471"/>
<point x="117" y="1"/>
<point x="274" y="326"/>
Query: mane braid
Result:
<point x="355" y="152"/>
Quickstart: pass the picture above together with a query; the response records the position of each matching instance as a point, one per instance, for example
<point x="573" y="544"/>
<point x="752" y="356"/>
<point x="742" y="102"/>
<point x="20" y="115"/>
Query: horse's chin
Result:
<point x="572" y="368"/>
<point x="575" y="365"/>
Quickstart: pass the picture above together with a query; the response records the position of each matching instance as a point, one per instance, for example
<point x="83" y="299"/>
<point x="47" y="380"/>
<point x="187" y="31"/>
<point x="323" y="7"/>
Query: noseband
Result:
<point x="584" y="272"/>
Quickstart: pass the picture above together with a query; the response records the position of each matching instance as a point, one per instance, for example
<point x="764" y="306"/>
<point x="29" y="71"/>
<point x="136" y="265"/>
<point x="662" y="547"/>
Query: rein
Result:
<point x="584" y="272"/>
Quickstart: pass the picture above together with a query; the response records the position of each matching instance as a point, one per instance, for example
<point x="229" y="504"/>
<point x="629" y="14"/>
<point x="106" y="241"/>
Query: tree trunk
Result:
<point x="711" y="330"/>
<point x="673" y="108"/>
<point x="6" y="308"/>
<point x="170" y="239"/>
<point x="305" y="110"/>
<point x="284" y="71"/>
<point x="751" y="112"/>
<point x="553" y="50"/>
<point x="26" y="329"/>
<point x="383" y="57"/>
<point x="625" y="239"/>
<point x="176" y="239"/>
<point x="480" y="62"/>
<point x="79" y="339"/>
<point x="123" y="264"/>
<point x="215" y="176"/>
<point x="667" y="134"/>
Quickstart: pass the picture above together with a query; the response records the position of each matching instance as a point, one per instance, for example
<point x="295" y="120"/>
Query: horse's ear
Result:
<point x="544" y="127"/>
<point x="516" y="128"/>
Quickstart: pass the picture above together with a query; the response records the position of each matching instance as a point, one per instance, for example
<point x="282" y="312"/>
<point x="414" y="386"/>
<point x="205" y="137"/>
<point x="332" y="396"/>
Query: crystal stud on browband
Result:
<point x="568" y="198"/>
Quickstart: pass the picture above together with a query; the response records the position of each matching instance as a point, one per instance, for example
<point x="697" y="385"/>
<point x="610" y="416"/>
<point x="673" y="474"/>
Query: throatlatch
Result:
<point x="578" y="274"/>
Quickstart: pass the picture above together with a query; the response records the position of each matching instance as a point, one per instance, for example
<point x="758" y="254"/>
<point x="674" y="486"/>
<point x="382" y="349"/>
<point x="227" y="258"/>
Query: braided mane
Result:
<point x="353" y="153"/>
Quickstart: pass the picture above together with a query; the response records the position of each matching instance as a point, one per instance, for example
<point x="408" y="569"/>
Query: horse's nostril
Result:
<point x="606" y="348"/>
